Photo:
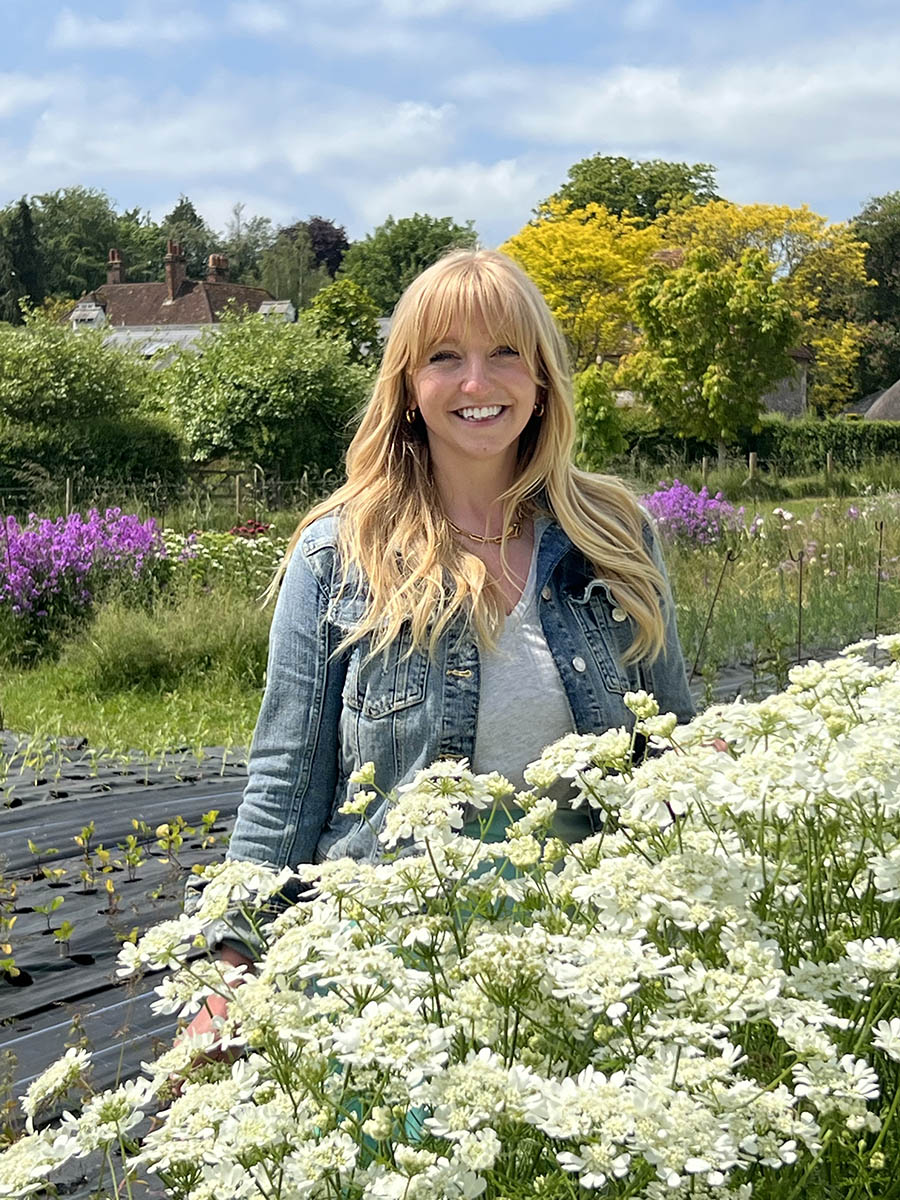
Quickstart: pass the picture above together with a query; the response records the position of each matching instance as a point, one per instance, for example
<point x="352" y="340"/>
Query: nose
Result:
<point x="475" y="376"/>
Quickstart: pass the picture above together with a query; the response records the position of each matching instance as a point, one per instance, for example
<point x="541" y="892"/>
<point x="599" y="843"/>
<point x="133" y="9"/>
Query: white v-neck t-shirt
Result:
<point x="522" y="705"/>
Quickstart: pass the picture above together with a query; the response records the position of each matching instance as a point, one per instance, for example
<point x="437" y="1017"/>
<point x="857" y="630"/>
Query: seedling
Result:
<point x="208" y="820"/>
<point x="37" y="854"/>
<point x="134" y="855"/>
<point x="63" y="936"/>
<point x="170" y="838"/>
<point x="113" y="905"/>
<point x="83" y="840"/>
<point x="50" y="908"/>
<point x="53" y="875"/>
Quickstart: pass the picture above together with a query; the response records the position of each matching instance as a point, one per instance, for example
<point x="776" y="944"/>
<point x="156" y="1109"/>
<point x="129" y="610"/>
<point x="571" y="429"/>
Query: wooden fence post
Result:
<point x="69" y="496"/>
<point x="237" y="495"/>
<point x="751" y="463"/>
<point x="704" y="469"/>
<point x="829" y="466"/>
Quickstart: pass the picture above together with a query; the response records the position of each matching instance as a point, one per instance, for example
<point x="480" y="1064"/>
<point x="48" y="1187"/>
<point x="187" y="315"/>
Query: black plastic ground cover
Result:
<point x="68" y="993"/>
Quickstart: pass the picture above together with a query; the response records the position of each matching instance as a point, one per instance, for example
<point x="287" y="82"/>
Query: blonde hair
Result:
<point x="391" y="525"/>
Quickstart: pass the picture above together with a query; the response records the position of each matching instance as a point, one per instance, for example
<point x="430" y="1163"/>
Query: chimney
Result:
<point x="175" y="272"/>
<point x="115" y="268"/>
<point x="218" y="269"/>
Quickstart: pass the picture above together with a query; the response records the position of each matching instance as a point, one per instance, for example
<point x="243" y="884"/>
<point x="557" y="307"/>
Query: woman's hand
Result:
<point x="215" y="1007"/>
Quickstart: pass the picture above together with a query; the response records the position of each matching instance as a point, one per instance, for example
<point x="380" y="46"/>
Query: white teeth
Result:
<point x="481" y="414"/>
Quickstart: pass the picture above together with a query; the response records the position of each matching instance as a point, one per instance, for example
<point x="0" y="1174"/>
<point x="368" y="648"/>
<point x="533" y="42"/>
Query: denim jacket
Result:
<point x="323" y="716"/>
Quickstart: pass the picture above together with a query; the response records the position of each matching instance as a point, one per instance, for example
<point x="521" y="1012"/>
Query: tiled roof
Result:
<point x="195" y="303"/>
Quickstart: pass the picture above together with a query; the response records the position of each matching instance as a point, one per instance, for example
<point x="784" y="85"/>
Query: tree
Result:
<point x="716" y="335"/>
<point x="388" y="259"/>
<point x="328" y="243"/>
<point x="245" y="243"/>
<point x="599" y="426"/>
<point x="271" y="392"/>
<point x="638" y="189"/>
<point x="585" y="261"/>
<point x="289" y="269"/>
<point x="76" y="228"/>
<point x="822" y="267"/>
<point x="21" y="266"/>
<point x="344" y="310"/>
<point x="142" y="246"/>
<point x="185" y="226"/>
<point x="878" y="225"/>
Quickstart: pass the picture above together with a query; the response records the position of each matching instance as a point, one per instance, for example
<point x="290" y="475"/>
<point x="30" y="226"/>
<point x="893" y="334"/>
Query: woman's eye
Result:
<point x="441" y="356"/>
<point x="508" y="351"/>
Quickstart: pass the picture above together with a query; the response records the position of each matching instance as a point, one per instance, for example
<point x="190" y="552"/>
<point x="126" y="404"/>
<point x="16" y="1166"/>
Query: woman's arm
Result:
<point x="666" y="675"/>
<point x="293" y="765"/>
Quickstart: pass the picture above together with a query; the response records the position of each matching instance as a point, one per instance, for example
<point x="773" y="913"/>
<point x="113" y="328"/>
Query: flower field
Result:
<point x="700" y="1000"/>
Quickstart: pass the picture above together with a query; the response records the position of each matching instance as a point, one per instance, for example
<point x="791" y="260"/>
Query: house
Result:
<point x="886" y="406"/>
<point x="157" y="316"/>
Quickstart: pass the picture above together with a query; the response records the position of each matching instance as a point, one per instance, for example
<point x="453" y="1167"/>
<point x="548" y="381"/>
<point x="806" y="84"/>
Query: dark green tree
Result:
<point x="142" y="246"/>
<point x="288" y="268"/>
<point x="185" y="226"/>
<point x="328" y="242"/>
<point x="388" y="259"/>
<point x="76" y="228"/>
<point x="21" y="265"/>
<point x="638" y="189"/>
<point x="878" y="225"/>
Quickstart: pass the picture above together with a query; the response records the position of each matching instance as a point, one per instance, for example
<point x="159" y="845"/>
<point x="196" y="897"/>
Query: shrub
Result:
<point x="685" y="515"/>
<point x="266" y="392"/>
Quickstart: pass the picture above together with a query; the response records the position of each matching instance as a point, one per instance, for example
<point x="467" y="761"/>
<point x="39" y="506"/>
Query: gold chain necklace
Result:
<point x="514" y="530"/>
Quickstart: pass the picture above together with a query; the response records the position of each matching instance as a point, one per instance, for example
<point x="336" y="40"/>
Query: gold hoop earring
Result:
<point x="410" y="415"/>
<point x="539" y="408"/>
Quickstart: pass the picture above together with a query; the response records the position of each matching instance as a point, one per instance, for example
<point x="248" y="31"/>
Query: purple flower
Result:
<point x="682" y="514"/>
<point x="60" y="563"/>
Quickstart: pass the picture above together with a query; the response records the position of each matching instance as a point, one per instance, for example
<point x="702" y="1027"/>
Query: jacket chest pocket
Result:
<point x="608" y="631"/>
<point x="393" y="680"/>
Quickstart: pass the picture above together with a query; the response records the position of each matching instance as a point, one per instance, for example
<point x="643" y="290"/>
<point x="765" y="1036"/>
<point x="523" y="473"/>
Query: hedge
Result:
<point x="786" y="447"/>
<point x="132" y="450"/>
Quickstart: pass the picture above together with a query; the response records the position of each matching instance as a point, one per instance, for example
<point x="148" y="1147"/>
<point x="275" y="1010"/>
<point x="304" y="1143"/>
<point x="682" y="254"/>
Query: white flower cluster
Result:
<point x="699" y="1000"/>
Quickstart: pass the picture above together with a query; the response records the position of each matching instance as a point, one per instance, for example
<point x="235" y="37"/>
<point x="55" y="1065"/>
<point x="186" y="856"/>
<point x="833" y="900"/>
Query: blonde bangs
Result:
<point x="392" y="530"/>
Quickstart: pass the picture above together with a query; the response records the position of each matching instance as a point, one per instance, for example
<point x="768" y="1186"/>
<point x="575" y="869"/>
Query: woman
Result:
<point x="467" y="592"/>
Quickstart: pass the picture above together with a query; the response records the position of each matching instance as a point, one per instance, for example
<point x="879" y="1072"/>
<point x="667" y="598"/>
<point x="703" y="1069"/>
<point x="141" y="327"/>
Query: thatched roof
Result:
<point x="887" y="406"/>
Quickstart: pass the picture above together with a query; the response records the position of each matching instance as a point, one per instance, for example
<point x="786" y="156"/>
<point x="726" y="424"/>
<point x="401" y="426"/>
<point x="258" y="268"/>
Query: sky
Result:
<point x="474" y="109"/>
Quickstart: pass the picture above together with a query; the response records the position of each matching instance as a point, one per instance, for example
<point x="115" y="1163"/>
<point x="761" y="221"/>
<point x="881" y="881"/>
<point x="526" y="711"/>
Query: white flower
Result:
<point x="641" y="703"/>
<point x="55" y="1081"/>
<point x="886" y="1037"/>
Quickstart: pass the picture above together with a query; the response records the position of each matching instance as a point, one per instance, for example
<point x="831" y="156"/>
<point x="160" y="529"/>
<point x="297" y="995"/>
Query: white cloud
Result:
<point x="499" y="196"/>
<point x="19" y="91"/>
<point x="143" y="27"/>
<point x="261" y="19"/>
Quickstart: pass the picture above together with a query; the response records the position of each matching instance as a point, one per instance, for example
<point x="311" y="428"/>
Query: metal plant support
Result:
<point x="879" y="525"/>
<point x="800" y="556"/>
<point x="730" y="557"/>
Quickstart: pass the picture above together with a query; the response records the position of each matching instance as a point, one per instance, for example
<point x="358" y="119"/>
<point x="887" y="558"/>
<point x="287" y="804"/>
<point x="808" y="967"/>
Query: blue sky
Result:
<point x="354" y="109"/>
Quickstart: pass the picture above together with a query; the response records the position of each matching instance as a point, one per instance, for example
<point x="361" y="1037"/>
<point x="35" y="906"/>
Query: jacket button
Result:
<point x="619" y="614"/>
<point x="578" y="663"/>
<point x="545" y="593"/>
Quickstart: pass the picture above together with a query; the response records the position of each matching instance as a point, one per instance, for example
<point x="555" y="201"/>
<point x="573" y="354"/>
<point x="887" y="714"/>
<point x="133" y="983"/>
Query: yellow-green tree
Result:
<point x="716" y="335"/>
<point x="821" y="265"/>
<point x="585" y="261"/>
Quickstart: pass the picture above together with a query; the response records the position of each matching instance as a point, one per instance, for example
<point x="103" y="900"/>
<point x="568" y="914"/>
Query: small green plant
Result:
<point x="207" y="823"/>
<point x="48" y="909"/>
<point x="133" y="853"/>
<point x="170" y="838"/>
<point x="53" y="875"/>
<point x="63" y="936"/>
<point x="113" y="896"/>
<point x="37" y="854"/>
<point x="83" y="840"/>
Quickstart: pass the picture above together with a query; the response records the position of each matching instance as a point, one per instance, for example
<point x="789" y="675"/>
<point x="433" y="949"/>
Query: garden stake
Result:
<point x="730" y="557"/>
<point x="879" y="525"/>
<point x="801" y="554"/>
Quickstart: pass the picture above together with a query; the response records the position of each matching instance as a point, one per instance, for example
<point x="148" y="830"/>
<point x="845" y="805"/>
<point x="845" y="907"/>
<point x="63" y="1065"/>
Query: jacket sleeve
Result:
<point x="666" y="676"/>
<point x="293" y="765"/>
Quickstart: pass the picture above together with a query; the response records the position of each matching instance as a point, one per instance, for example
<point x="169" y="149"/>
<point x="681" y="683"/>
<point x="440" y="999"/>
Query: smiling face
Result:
<point x="475" y="395"/>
